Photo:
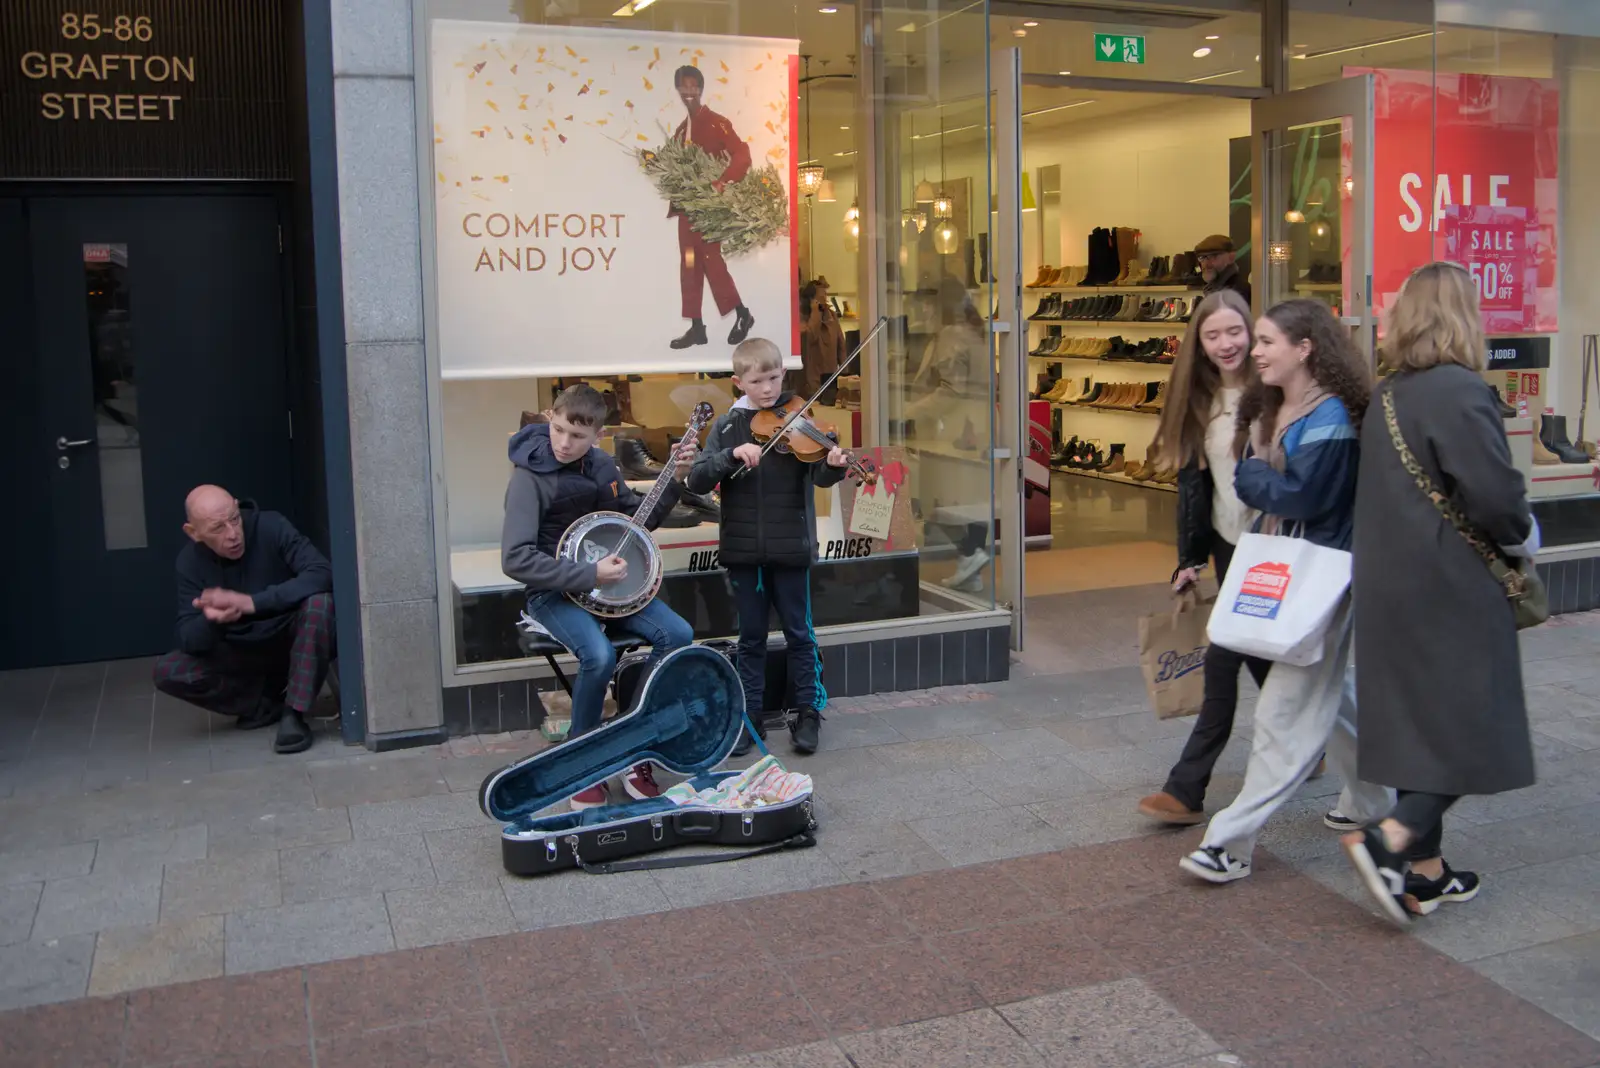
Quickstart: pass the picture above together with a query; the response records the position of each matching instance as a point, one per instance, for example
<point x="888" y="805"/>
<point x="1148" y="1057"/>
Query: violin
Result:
<point x="806" y="439"/>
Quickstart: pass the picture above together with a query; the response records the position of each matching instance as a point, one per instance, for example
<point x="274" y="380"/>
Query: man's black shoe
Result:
<point x="695" y="335"/>
<point x="293" y="734"/>
<point x="803" y="734"/>
<point x="682" y="515"/>
<point x="635" y="460"/>
<point x="742" y="322"/>
<point x="268" y="712"/>
<point x="700" y="503"/>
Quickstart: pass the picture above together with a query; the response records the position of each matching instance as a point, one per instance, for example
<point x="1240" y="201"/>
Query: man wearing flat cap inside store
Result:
<point x="1218" y="267"/>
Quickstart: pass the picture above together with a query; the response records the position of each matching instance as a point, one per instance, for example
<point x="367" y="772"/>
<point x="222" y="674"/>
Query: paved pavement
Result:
<point x="983" y="893"/>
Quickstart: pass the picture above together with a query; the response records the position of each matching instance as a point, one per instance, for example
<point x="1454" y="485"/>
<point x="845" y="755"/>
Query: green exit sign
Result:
<point x="1117" y="48"/>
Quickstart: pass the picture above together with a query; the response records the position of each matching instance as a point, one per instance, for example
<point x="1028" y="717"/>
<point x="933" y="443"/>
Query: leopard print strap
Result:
<point x="1507" y="576"/>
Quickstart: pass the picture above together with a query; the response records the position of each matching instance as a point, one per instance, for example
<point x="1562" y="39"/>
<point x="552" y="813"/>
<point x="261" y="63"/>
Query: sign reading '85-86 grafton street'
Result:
<point x="142" y="89"/>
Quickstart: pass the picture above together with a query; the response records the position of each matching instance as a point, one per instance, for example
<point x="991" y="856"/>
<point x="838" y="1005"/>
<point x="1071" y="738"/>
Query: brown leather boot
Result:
<point x="1169" y="809"/>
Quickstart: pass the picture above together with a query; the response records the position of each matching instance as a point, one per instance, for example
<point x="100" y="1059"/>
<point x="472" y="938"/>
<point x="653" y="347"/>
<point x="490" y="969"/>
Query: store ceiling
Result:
<point x="1323" y="32"/>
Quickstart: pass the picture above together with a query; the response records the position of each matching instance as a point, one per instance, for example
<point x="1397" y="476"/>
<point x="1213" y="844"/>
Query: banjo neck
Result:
<point x="653" y="498"/>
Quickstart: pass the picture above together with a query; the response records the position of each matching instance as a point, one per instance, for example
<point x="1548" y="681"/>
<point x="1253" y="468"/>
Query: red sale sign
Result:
<point x="1493" y="245"/>
<point x="1465" y="166"/>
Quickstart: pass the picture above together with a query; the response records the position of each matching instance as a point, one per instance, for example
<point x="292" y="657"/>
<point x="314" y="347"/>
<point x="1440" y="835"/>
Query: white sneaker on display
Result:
<point x="968" y="569"/>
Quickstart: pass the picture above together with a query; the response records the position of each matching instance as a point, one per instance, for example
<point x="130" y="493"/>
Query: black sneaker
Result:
<point x="803" y="732"/>
<point x="1215" y="865"/>
<point x="1338" y="821"/>
<point x="747" y="741"/>
<point x="1383" y="873"/>
<point x="1423" y="894"/>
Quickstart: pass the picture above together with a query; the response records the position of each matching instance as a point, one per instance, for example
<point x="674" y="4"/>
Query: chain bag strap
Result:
<point x="1530" y="601"/>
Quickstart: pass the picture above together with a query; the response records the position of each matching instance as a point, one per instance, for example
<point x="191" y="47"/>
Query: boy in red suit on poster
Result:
<point x="699" y="260"/>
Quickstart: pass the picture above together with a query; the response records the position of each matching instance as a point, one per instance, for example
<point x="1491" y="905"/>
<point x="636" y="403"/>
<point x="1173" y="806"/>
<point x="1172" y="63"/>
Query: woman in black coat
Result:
<point x="1440" y="707"/>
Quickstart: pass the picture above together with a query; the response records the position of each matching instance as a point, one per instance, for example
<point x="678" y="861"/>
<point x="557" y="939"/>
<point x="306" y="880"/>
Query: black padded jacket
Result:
<point x="767" y="515"/>
<point x="1196" y="536"/>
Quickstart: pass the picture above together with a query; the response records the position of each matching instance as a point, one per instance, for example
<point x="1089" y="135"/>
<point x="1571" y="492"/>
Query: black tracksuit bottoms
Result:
<point x="758" y="590"/>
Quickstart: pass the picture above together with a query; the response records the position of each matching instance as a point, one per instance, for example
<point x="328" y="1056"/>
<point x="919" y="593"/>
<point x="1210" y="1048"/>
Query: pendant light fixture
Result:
<point x="943" y="205"/>
<point x="945" y="237"/>
<point x="810" y="174"/>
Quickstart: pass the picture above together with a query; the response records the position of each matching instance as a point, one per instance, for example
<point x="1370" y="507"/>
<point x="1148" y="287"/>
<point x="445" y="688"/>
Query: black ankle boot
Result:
<point x="1555" y="435"/>
<point x="804" y="733"/>
<point x="695" y="335"/>
<point x="635" y="461"/>
<point x="293" y="734"/>
<point x="1506" y="411"/>
<point x="742" y="322"/>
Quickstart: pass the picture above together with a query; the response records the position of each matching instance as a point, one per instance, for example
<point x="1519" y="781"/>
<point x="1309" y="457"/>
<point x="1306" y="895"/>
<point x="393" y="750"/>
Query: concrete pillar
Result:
<point x="375" y="120"/>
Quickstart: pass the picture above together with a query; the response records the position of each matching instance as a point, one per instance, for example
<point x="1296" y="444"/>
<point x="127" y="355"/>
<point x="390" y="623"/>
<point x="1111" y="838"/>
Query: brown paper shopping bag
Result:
<point x="1172" y="655"/>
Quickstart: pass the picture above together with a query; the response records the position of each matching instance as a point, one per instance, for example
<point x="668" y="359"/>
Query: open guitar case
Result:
<point x="687" y="718"/>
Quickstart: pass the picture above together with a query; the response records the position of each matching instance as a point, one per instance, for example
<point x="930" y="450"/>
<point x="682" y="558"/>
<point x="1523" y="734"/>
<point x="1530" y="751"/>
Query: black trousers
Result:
<point x="758" y="591"/>
<point x="1423" y="815"/>
<point x="1192" y="773"/>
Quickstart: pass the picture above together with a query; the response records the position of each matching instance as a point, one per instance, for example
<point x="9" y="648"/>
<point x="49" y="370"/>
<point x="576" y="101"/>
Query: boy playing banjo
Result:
<point x="558" y="476"/>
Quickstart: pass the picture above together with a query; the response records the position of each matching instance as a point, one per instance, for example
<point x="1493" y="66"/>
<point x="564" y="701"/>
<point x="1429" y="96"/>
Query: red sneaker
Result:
<point x="593" y="797"/>
<point x="640" y="782"/>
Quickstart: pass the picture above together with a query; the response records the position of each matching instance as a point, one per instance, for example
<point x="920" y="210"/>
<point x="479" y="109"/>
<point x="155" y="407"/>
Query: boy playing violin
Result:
<point x="768" y="540"/>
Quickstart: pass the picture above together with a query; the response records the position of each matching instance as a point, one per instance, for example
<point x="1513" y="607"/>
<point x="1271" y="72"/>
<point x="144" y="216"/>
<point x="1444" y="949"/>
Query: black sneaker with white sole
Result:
<point x="1215" y="865"/>
<point x="1382" y="872"/>
<point x="1340" y="822"/>
<point x="1423" y="894"/>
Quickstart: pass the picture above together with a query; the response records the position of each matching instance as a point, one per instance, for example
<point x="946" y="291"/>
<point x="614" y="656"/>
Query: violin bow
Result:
<point x="800" y="412"/>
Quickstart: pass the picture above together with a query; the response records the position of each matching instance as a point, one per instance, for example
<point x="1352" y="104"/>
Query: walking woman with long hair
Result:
<point x="1298" y="453"/>
<point x="1196" y="437"/>
<point x="1442" y="711"/>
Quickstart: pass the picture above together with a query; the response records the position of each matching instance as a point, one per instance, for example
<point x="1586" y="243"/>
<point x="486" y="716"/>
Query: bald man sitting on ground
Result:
<point x="255" y="618"/>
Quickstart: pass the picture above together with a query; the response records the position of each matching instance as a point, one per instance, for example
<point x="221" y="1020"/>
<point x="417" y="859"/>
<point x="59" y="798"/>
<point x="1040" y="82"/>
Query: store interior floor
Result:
<point x="1113" y="548"/>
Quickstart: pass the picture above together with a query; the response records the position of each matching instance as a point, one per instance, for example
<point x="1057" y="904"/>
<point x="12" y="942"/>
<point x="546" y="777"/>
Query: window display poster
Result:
<point x="1448" y="147"/>
<point x="877" y="515"/>
<point x="599" y="191"/>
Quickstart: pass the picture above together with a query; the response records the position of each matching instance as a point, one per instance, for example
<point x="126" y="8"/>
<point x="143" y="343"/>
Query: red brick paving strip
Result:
<point x="1282" y="971"/>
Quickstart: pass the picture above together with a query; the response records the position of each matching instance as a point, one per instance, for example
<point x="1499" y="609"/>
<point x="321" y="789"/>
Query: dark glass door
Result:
<point x="160" y="353"/>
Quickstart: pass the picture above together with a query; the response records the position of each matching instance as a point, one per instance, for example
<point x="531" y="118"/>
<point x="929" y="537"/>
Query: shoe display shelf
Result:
<point x="1108" y="476"/>
<point x="1096" y="291"/>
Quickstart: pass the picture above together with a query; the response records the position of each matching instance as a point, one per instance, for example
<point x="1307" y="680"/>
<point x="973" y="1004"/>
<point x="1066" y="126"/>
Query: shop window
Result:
<point x="1486" y="145"/>
<point x="557" y="140"/>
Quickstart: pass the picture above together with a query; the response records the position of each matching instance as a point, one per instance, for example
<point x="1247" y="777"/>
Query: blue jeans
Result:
<point x="584" y="636"/>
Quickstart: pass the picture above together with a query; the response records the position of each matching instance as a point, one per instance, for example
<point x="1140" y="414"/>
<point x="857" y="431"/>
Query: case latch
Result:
<point x="747" y="825"/>
<point x="550" y="850"/>
<point x="658" y="829"/>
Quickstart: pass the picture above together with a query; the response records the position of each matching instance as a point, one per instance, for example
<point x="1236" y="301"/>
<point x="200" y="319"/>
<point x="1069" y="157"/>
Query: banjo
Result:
<point x="601" y="534"/>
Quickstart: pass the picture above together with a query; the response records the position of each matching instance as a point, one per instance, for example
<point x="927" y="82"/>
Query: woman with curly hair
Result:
<point x="1298" y="455"/>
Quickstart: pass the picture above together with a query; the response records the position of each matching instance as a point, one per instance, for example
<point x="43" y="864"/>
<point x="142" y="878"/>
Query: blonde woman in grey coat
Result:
<point x="1440" y="707"/>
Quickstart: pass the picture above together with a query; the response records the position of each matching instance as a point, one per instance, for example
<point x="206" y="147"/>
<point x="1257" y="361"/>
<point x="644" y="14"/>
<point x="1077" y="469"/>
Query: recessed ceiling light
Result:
<point x="1019" y="32"/>
<point x="1201" y="53"/>
<point x="1030" y="25"/>
<point x="828" y="10"/>
<point x="1063" y="72"/>
<point x="844" y="127"/>
<point x="1299" y="46"/>
<point x="1213" y="37"/>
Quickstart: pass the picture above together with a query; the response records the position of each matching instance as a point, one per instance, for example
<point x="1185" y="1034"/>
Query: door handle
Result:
<point x="63" y="444"/>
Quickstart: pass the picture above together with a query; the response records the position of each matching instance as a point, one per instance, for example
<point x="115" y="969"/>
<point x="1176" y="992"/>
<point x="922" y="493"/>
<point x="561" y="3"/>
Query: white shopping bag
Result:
<point x="1279" y="598"/>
